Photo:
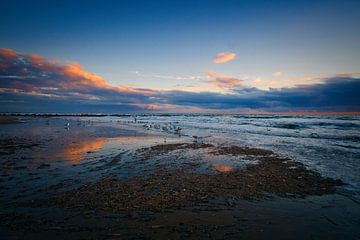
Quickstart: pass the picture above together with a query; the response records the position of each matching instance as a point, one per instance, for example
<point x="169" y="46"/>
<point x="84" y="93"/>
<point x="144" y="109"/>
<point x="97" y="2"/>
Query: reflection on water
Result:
<point x="75" y="152"/>
<point x="221" y="167"/>
<point x="46" y="157"/>
<point x="224" y="163"/>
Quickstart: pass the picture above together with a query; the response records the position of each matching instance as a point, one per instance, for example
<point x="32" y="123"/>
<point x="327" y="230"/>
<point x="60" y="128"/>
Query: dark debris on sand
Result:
<point x="175" y="188"/>
<point x="12" y="145"/>
<point x="166" y="148"/>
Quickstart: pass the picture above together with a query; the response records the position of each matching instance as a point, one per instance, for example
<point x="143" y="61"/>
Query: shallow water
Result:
<point x="48" y="154"/>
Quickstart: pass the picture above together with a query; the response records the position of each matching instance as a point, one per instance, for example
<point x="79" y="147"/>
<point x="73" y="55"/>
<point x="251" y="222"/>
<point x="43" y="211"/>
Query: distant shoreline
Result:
<point x="170" y="114"/>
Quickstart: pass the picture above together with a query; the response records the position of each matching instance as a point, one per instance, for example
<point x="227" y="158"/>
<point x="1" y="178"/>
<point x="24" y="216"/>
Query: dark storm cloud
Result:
<point x="334" y="94"/>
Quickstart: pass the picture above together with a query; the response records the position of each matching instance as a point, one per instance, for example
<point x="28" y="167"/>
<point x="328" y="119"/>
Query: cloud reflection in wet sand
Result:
<point x="221" y="167"/>
<point x="77" y="150"/>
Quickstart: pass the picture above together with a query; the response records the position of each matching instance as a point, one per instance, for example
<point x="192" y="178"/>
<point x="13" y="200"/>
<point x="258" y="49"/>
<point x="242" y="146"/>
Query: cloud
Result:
<point x="223" y="57"/>
<point x="312" y="79"/>
<point x="32" y="74"/>
<point x="278" y="74"/>
<point x="30" y="83"/>
<point x="176" y="77"/>
<point x="335" y="94"/>
<point x="7" y="53"/>
<point x="221" y="80"/>
<point x="258" y="80"/>
<point x="321" y="78"/>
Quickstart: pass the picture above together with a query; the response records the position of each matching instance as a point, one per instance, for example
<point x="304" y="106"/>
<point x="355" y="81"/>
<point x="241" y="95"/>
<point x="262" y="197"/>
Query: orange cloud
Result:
<point x="223" y="57"/>
<point x="278" y="74"/>
<point x="7" y="53"/>
<point x="80" y="78"/>
<point x="221" y="80"/>
<point x="51" y="74"/>
<point x="36" y="59"/>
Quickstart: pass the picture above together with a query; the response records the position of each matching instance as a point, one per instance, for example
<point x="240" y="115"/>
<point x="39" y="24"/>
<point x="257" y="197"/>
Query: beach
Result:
<point x="180" y="120"/>
<point x="179" y="177"/>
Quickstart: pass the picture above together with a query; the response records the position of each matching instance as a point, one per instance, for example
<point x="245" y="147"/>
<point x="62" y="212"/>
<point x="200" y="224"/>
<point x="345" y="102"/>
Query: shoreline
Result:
<point x="175" y="114"/>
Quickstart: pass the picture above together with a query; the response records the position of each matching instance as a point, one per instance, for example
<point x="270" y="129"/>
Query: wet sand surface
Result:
<point x="76" y="178"/>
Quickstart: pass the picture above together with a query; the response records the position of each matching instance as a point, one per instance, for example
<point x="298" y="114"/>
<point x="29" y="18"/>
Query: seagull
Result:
<point x="178" y="130"/>
<point x="314" y="135"/>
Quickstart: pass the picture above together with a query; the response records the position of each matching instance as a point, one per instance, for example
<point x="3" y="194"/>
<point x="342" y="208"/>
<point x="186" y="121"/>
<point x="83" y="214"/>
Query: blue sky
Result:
<point x="171" y="45"/>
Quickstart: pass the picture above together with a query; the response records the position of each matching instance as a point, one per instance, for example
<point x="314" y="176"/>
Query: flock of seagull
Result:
<point x="167" y="127"/>
<point x="79" y="123"/>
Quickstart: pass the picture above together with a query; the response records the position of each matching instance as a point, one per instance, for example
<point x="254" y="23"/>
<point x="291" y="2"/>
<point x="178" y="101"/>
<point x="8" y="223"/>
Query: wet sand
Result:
<point x="169" y="188"/>
<point x="110" y="182"/>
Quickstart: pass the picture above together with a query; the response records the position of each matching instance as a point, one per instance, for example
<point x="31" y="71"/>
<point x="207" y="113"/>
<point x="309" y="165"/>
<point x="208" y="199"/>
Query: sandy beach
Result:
<point x="87" y="178"/>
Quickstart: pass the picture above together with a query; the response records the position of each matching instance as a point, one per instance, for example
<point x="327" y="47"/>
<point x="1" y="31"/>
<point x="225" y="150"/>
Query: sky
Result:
<point x="180" y="56"/>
